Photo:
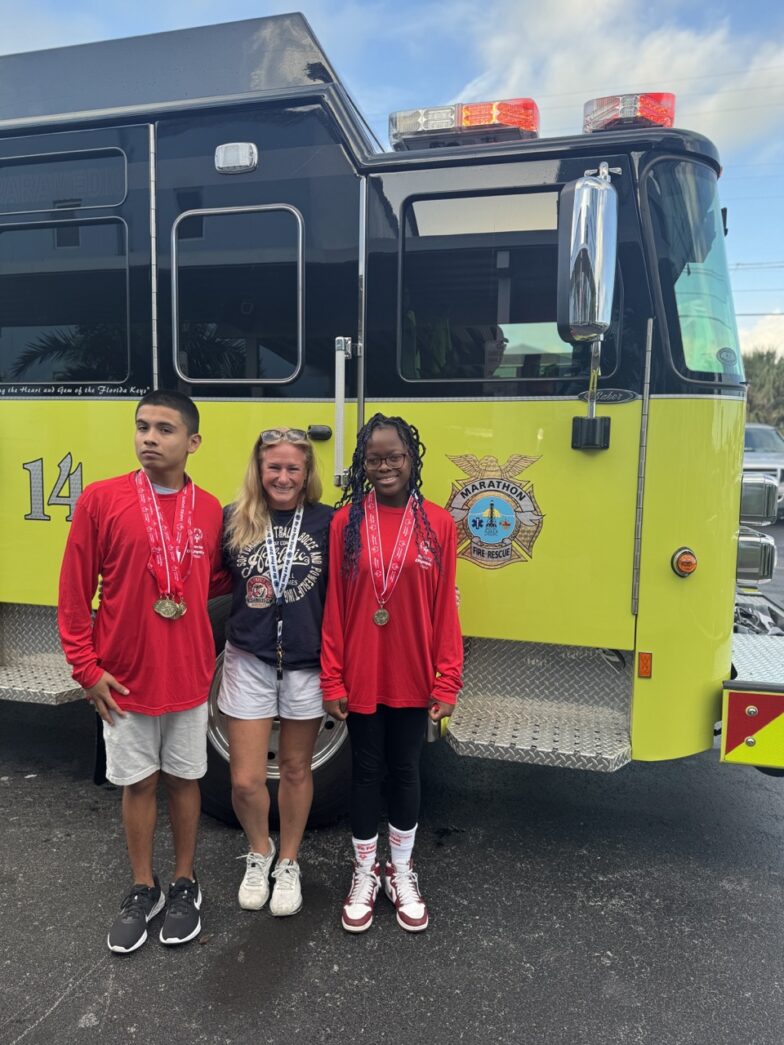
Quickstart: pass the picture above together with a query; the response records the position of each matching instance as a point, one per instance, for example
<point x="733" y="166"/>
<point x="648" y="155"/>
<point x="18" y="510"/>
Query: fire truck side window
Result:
<point x="237" y="296"/>
<point x="64" y="302"/>
<point x="43" y="183"/>
<point x="479" y="290"/>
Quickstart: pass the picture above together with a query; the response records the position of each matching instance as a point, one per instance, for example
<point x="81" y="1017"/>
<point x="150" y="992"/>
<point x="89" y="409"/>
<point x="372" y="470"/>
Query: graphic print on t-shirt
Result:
<point x="305" y="569"/>
<point x="258" y="593"/>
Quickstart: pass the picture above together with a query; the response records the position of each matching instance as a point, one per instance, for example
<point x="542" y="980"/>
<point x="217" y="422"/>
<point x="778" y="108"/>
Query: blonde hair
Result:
<point x="250" y="513"/>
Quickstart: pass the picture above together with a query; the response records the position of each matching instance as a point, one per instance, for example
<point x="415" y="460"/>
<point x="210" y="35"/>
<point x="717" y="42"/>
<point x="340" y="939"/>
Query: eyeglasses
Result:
<point x="394" y="460"/>
<point x="277" y="435"/>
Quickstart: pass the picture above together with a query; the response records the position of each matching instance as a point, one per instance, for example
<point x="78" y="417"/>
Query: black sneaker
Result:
<point x="130" y="926"/>
<point x="182" y="920"/>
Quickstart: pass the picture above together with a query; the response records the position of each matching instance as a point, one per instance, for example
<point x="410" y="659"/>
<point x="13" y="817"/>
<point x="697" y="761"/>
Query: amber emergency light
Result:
<point x="464" y="123"/>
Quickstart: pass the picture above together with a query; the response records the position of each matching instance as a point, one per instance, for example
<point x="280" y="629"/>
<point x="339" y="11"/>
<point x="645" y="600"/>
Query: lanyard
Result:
<point x="279" y="576"/>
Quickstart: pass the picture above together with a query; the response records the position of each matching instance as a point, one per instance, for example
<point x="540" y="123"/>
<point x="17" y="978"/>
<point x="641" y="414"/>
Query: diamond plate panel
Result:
<point x="759" y="658"/>
<point x="563" y="674"/>
<point x="27" y="629"/>
<point x="552" y="705"/>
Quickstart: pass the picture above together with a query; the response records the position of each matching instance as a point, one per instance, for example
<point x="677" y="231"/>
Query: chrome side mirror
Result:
<point x="587" y="258"/>
<point x="587" y="255"/>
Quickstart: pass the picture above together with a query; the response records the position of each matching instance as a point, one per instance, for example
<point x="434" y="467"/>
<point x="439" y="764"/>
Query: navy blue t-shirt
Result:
<point x="253" y="621"/>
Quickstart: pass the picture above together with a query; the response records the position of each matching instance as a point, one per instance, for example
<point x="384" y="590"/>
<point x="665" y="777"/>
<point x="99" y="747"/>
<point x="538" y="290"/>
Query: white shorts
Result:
<point x="139" y="745"/>
<point x="250" y="689"/>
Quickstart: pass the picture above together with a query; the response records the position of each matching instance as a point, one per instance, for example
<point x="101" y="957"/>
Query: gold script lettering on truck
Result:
<point x="553" y="314"/>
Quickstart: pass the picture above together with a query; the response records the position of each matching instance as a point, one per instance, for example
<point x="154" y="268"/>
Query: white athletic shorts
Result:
<point x="139" y="745"/>
<point x="250" y="689"/>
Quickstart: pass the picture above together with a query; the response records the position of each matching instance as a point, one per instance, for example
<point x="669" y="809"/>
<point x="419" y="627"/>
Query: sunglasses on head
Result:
<point x="277" y="435"/>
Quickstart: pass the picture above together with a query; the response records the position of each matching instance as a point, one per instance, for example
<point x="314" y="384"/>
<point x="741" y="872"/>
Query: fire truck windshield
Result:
<point x="692" y="267"/>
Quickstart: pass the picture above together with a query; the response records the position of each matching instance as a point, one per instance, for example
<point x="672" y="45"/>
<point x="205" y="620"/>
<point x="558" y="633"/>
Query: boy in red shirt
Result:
<point x="146" y="660"/>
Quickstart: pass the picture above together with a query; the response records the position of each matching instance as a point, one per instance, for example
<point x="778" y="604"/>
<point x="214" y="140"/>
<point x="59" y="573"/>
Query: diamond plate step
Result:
<point x="574" y="736"/>
<point x="32" y="666"/>
<point x="41" y="678"/>
<point x="551" y="705"/>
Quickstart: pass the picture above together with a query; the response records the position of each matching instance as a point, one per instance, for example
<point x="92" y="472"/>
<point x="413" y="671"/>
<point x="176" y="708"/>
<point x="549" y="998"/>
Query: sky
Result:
<point x="724" y="61"/>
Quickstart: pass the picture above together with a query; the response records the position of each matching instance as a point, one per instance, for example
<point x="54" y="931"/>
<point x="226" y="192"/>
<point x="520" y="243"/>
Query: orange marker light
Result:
<point x="684" y="562"/>
<point x="644" y="665"/>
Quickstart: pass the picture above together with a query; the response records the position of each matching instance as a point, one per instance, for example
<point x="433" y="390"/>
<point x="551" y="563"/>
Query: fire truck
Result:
<point x="208" y="210"/>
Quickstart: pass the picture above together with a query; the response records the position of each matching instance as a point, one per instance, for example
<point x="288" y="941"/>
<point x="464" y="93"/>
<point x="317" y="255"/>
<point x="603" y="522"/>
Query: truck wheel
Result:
<point x="331" y="757"/>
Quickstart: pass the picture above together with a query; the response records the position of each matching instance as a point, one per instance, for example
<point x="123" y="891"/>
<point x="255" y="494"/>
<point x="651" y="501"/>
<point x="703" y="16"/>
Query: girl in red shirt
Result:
<point x="391" y="652"/>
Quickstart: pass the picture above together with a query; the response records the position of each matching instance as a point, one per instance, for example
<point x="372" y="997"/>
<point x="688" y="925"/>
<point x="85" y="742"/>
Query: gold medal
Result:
<point x="167" y="608"/>
<point x="381" y="616"/>
<point x="181" y="608"/>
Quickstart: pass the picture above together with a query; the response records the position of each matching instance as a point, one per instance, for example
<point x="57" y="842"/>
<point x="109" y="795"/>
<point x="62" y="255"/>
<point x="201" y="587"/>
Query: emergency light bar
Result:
<point x="464" y="124"/>
<point x="628" y="110"/>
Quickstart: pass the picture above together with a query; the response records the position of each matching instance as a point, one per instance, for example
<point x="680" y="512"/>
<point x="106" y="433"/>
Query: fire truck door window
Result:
<point x="238" y="301"/>
<point x="64" y="302"/>
<point x="479" y="290"/>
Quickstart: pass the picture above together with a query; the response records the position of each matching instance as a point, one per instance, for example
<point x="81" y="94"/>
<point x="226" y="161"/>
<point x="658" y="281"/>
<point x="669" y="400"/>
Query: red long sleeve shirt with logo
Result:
<point x="419" y="652"/>
<point x="167" y="665"/>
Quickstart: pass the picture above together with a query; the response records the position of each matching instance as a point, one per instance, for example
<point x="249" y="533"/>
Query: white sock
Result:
<point x="401" y="846"/>
<point x="365" y="852"/>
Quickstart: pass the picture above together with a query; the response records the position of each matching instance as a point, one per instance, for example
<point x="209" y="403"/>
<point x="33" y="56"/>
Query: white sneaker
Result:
<point x="254" y="888"/>
<point x="360" y="903"/>
<point x="287" y="891"/>
<point x="402" y="888"/>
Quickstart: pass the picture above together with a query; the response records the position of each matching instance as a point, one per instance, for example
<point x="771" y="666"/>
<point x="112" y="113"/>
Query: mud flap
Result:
<point x="753" y="725"/>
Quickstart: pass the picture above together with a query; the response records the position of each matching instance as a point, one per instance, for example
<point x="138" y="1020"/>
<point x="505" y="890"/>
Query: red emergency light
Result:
<point x="629" y="110"/>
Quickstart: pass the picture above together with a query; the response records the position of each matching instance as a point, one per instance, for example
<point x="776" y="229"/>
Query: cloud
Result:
<point x="728" y="83"/>
<point x="767" y="332"/>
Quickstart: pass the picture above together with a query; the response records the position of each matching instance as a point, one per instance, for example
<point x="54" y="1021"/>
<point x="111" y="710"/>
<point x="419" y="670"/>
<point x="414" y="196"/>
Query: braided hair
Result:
<point x="358" y="485"/>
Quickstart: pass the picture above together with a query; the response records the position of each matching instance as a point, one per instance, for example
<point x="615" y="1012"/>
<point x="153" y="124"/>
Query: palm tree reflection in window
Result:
<point x="99" y="352"/>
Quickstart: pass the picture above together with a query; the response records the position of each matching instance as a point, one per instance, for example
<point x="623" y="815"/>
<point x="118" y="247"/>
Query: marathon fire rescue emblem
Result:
<point x="497" y="517"/>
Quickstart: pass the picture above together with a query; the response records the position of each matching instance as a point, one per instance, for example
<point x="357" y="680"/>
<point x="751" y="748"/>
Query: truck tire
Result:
<point x="331" y="758"/>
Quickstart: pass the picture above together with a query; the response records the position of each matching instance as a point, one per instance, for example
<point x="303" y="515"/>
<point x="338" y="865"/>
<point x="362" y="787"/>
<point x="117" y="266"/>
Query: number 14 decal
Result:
<point x="69" y="476"/>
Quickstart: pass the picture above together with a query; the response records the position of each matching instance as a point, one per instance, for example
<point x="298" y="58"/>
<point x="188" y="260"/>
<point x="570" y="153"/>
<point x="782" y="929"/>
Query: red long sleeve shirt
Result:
<point x="419" y="652"/>
<point x="167" y="665"/>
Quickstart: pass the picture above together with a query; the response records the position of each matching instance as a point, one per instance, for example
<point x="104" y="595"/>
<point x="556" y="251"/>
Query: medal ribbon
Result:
<point x="167" y="553"/>
<point x="384" y="581"/>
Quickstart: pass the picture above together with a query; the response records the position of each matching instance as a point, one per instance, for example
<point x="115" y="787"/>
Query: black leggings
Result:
<point x="389" y="742"/>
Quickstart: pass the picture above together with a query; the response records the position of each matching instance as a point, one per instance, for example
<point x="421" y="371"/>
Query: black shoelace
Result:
<point x="136" y="902"/>
<point x="181" y="898"/>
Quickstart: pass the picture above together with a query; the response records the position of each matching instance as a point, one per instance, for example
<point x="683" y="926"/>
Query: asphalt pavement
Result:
<point x="566" y="907"/>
